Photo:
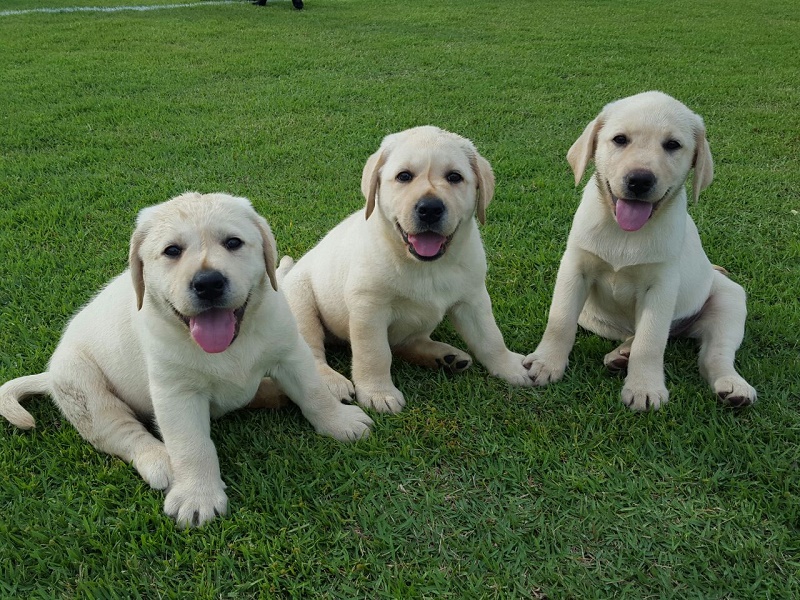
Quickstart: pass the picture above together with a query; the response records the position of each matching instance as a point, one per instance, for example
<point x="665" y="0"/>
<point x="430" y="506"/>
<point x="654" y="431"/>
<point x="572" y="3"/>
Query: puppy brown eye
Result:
<point x="404" y="176"/>
<point x="454" y="177"/>
<point x="233" y="243"/>
<point x="173" y="251"/>
<point x="671" y="145"/>
<point x="620" y="140"/>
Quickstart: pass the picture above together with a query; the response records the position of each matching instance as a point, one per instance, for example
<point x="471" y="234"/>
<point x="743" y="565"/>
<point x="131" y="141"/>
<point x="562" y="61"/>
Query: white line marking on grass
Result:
<point x="109" y="9"/>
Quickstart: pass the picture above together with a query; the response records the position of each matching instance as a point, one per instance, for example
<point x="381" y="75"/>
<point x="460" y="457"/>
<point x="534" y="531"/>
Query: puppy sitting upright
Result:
<point x="386" y="276"/>
<point x="634" y="268"/>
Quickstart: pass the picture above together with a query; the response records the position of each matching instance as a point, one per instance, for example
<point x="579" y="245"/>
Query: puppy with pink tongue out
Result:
<point x="385" y="277"/>
<point x="634" y="269"/>
<point x="185" y="335"/>
<point x="213" y="329"/>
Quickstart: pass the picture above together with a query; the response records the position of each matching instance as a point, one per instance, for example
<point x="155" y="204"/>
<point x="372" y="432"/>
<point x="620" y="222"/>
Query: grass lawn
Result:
<point x="476" y="490"/>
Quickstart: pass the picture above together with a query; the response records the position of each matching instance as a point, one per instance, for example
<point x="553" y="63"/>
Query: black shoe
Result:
<point x="260" y="2"/>
<point x="298" y="4"/>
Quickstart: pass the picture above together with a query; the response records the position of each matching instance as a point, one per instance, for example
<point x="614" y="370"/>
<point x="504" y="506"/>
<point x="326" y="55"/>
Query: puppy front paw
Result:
<point x="513" y="370"/>
<point x="339" y="385"/>
<point x="386" y="399"/>
<point x="347" y="424"/>
<point x="734" y="391"/>
<point x="644" y="397"/>
<point x="191" y="504"/>
<point x="542" y="369"/>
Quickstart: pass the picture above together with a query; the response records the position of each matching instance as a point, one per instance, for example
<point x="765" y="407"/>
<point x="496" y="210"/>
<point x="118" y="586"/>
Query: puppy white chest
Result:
<point x="614" y="293"/>
<point x="411" y="316"/>
<point x="615" y="288"/>
<point x="226" y="397"/>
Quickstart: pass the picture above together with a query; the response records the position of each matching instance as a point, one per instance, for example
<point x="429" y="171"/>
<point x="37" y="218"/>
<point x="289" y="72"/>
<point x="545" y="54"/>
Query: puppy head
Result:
<point x="643" y="147"/>
<point x="200" y="259"/>
<point x="425" y="182"/>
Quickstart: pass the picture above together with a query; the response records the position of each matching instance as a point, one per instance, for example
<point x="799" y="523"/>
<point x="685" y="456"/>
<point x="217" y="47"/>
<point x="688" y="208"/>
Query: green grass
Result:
<point x="476" y="490"/>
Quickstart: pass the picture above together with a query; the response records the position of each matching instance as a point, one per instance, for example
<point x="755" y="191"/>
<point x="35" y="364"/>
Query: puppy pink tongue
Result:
<point x="427" y="244"/>
<point x="213" y="329"/>
<point x="632" y="214"/>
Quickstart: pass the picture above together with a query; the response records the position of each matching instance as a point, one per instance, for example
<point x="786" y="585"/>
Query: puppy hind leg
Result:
<point x="616" y="361"/>
<point x="268" y="396"/>
<point x="109" y="424"/>
<point x="434" y="355"/>
<point x="720" y="330"/>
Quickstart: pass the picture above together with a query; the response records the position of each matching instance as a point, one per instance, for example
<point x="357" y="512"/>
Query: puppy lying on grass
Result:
<point x="185" y="335"/>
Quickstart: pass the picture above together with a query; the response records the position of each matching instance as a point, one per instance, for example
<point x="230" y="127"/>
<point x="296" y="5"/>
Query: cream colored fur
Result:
<point x="128" y="354"/>
<point x="362" y="284"/>
<point x="634" y="285"/>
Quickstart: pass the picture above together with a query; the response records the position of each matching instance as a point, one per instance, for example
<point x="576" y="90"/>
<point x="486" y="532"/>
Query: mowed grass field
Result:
<point x="476" y="490"/>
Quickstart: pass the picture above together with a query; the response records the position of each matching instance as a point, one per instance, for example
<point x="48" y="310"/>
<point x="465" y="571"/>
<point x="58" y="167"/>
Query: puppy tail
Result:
<point x="12" y="392"/>
<point x="286" y="264"/>
<point x="722" y="270"/>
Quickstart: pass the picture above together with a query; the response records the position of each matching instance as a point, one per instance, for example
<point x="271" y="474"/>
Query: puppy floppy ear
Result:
<point x="134" y="256"/>
<point x="483" y="171"/>
<point x="270" y="249"/>
<point x="582" y="151"/>
<point x="370" y="178"/>
<point x="703" y="163"/>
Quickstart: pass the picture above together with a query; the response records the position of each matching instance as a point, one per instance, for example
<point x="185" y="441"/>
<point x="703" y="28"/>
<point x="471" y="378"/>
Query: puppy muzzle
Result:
<point x="634" y="210"/>
<point x="213" y="324"/>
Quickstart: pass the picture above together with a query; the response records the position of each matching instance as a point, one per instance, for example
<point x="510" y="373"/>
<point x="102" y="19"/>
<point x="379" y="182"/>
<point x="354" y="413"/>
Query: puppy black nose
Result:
<point x="429" y="210"/>
<point x="639" y="182"/>
<point x="209" y="285"/>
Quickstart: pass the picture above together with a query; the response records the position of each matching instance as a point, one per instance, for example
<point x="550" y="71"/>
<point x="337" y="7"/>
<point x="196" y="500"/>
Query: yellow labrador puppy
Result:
<point x="186" y="334"/>
<point x="634" y="268"/>
<point x="385" y="277"/>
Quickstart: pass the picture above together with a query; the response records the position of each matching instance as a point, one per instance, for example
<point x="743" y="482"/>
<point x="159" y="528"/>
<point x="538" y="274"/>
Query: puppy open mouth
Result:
<point x="631" y="215"/>
<point x="214" y="329"/>
<point x="426" y="245"/>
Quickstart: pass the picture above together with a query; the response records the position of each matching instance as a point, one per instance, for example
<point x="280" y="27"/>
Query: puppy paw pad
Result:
<point x="617" y="366"/>
<point x="734" y="392"/>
